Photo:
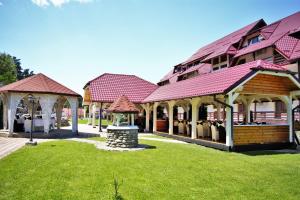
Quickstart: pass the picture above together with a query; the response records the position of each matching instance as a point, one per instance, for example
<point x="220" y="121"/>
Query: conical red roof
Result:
<point x="38" y="83"/>
<point x="123" y="105"/>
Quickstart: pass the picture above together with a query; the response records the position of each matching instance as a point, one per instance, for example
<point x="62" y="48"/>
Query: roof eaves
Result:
<point x="244" y="78"/>
<point x="38" y="92"/>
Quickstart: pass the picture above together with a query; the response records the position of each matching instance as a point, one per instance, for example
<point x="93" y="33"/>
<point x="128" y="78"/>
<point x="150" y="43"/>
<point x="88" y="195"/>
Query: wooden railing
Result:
<point x="265" y="116"/>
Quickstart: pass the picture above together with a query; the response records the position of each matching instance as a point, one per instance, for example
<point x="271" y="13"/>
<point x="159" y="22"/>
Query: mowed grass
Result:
<point x="73" y="170"/>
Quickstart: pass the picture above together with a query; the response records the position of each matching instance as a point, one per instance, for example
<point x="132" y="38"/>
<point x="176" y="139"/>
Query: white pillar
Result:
<point x="195" y="112"/>
<point x="171" y="113"/>
<point x="132" y="119"/>
<point x="155" y="117"/>
<point x="289" y="108"/>
<point x="288" y="101"/>
<point x="90" y="114"/>
<point x="84" y="112"/>
<point x="47" y="103"/>
<point x="5" y="112"/>
<point x="187" y="112"/>
<point x="219" y="116"/>
<point x="74" y="109"/>
<point x="94" y="115"/>
<point x="147" y="110"/>
<point x="229" y="122"/>
<point x="247" y="105"/>
<point x="59" y="110"/>
<point x="13" y="101"/>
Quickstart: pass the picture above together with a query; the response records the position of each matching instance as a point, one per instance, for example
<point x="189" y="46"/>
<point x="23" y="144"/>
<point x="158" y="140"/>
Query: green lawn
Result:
<point x="73" y="170"/>
<point x="85" y="121"/>
<point x="101" y="139"/>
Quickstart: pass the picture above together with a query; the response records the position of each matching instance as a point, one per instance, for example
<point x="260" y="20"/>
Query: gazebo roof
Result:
<point x="38" y="83"/>
<point x="123" y="105"/>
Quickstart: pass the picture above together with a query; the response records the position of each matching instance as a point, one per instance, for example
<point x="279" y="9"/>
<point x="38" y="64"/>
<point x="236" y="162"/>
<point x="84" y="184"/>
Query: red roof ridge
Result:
<point x="123" y="105"/>
<point x="38" y="83"/>
<point x="43" y="80"/>
<point x="106" y="73"/>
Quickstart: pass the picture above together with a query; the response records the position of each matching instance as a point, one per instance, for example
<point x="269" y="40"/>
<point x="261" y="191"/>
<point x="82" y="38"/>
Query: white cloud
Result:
<point x="57" y="3"/>
<point x="1" y="3"/>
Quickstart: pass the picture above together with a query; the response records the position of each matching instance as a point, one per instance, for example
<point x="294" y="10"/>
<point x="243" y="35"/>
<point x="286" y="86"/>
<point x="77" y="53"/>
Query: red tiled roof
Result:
<point x="202" y="68"/>
<point x="123" y="105"/>
<point x="223" y="43"/>
<point x="260" y="45"/>
<point x="208" y="84"/>
<point x="277" y="34"/>
<point x="38" y="83"/>
<point x="108" y="87"/>
<point x="296" y="52"/>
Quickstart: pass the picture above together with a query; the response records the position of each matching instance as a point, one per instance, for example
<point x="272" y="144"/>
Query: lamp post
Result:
<point x="31" y="99"/>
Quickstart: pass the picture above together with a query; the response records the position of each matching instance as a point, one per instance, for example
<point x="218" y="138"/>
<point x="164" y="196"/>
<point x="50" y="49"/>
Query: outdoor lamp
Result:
<point x="31" y="99"/>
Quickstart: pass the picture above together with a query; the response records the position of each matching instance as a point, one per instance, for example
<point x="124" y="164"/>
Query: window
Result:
<point x="215" y="61"/>
<point x="196" y="63"/>
<point x="254" y="40"/>
<point x="279" y="108"/>
<point x="164" y="83"/>
<point x="240" y="108"/>
<point x="215" y="68"/>
<point x="187" y="76"/>
<point x="223" y="58"/>
<point x="223" y="66"/>
<point x="260" y="52"/>
<point x="242" y="61"/>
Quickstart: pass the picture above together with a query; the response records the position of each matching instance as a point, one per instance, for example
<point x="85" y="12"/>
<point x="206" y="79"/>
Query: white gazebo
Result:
<point x="49" y="94"/>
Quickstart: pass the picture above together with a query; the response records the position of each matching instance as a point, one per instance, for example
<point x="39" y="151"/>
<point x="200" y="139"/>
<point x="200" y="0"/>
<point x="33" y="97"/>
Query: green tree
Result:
<point x="8" y="72"/>
<point x="21" y="73"/>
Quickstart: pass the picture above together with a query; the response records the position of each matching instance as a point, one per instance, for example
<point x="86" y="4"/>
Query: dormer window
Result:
<point x="254" y="40"/>
<point x="162" y="83"/>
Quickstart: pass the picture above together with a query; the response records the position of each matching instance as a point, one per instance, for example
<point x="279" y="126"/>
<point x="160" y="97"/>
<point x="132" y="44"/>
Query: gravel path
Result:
<point x="162" y="140"/>
<point x="102" y="145"/>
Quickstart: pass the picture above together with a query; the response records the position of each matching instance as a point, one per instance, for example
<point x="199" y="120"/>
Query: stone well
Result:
<point x="124" y="137"/>
<point x="123" y="133"/>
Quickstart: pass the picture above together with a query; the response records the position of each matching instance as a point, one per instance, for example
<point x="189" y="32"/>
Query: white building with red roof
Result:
<point x="48" y="94"/>
<point x="236" y="92"/>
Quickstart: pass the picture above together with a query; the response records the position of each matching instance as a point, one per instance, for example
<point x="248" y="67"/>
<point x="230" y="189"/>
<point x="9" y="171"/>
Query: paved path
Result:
<point x="9" y="145"/>
<point x="161" y="140"/>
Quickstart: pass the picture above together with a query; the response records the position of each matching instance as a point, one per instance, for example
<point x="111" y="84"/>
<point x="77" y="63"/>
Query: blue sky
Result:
<point x="74" y="41"/>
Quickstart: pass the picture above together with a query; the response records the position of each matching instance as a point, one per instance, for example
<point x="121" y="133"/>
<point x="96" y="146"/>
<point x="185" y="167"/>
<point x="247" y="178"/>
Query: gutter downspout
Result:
<point x="231" y="110"/>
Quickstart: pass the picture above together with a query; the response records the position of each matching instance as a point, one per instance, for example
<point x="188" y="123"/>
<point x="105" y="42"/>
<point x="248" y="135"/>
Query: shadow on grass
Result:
<point x="271" y="152"/>
<point x="146" y="146"/>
